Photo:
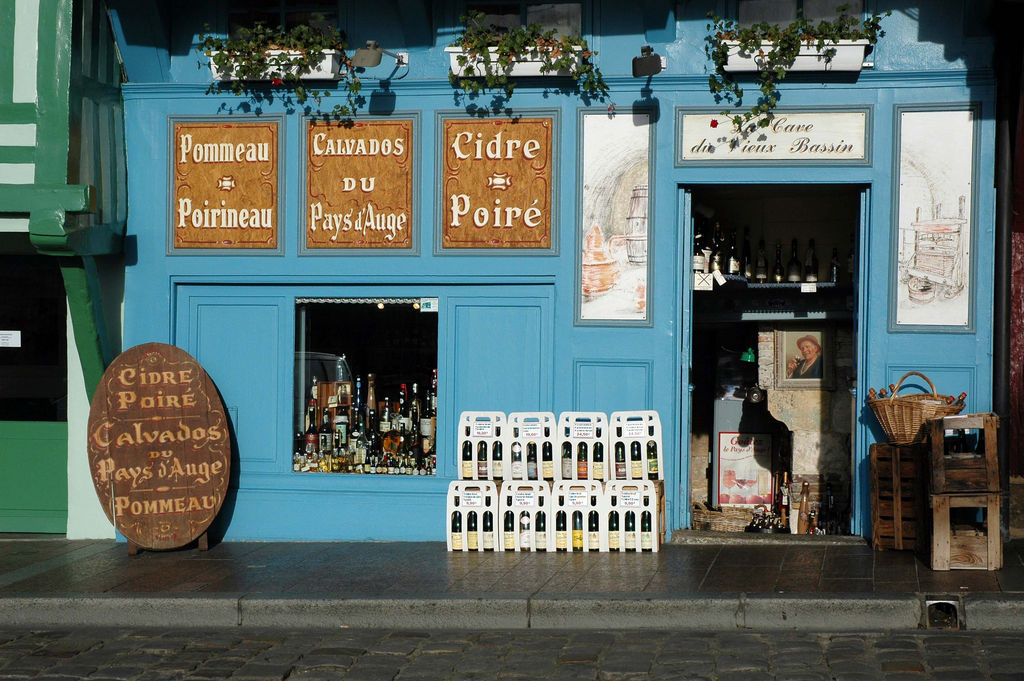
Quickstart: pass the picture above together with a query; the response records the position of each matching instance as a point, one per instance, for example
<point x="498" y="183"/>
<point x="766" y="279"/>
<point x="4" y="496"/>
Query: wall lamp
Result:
<point x="370" y="56"/>
<point x="647" y="64"/>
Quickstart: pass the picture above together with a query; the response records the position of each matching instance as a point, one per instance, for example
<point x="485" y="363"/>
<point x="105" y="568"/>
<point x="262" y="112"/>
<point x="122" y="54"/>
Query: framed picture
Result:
<point x="803" y="358"/>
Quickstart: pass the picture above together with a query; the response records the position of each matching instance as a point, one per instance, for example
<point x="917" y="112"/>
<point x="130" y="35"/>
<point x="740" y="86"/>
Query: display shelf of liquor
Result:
<point x="582" y="445"/>
<point x="481" y="445"/>
<point x="634" y="515"/>
<point x="580" y="508"/>
<point x="636" y="444"/>
<point x="472" y="509"/>
<point x="532" y="446"/>
<point x="525" y="510"/>
<point x="743" y="301"/>
<point x="348" y="433"/>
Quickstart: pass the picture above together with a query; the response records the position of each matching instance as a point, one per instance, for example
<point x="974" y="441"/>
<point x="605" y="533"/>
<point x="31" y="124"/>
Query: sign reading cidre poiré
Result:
<point x="225" y="185"/>
<point x="497" y="183"/>
<point x="359" y="179"/>
<point x="159" y="446"/>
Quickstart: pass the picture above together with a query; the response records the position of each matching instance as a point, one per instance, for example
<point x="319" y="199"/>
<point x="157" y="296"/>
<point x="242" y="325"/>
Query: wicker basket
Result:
<point x="727" y="519"/>
<point x="903" y="417"/>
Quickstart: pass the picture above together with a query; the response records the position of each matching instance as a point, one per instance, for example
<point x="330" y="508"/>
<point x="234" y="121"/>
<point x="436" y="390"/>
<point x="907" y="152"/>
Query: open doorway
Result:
<point x="773" y="356"/>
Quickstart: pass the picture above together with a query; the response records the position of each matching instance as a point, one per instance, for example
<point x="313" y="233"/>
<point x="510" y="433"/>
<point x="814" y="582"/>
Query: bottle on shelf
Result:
<point x="567" y="462"/>
<point x="732" y="258"/>
<point x="700" y="261"/>
<point x="636" y="461"/>
<point x="810" y="263"/>
<point x="761" y="264"/>
<point x="525" y="534"/>
<point x="620" y="461"/>
<point x="467" y="460"/>
<point x="717" y="257"/>
<point x="778" y="275"/>
<point x="833" y="267"/>
<point x="794" y="272"/>
<point x="547" y="460"/>
<point x="646" y="535"/>
<point x="630" y="538"/>
<point x="784" y="499"/>
<point x="577" y="530"/>
<point x="357" y="396"/>
<point x="472" y="541"/>
<point x="481" y="460"/>
<point x="509" y="536"/>
<point x="614" y="540"/>
<point x="518" y="465"/>
<point x="803" y="519"/>
<point x="561" y="540"/>
<point x="457" y="531"/>
<point x="488" y="537"/>
<point x="597" y="465"/>
<point x="652" y="460"/>
<point x="542" y="532"/>
<point x="371" y="393"/>
<point x="746" y="260"/>
<point x="593" y="531"/>
<point x="497" y="465"/>
<point x="340" y="461"/>
<point x="531" y="460"/>
<point x="312" y="437"/>
<point x="582" y="472"/>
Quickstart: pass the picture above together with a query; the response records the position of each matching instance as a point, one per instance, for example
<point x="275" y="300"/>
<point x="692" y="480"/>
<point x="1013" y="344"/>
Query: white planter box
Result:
<point x="328" y="68"/>
<point x="849" y="57"/>
<point x="527" y="67"/>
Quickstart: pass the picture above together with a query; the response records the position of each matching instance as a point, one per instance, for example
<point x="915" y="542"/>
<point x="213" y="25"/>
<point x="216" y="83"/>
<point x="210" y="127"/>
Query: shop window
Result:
<point x="564" y="17"/>
<point x="33" y="339"/>
<point x="365" y="385"/>
<point x="245" y="13"/>
<point x="785" y="11"/>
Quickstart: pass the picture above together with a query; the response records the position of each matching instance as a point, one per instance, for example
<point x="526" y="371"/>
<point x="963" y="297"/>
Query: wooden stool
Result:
<point x="966" y="548"/>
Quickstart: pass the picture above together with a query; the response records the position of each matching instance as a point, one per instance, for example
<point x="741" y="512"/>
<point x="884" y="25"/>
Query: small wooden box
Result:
<point x="965" y="471"/>
<point x="897" y="495"/>
<point x="966" y="547"/>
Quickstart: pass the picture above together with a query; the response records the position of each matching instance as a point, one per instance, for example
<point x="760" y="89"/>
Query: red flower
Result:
<point x="276" y="81"/>
<point x="714" y="122"/>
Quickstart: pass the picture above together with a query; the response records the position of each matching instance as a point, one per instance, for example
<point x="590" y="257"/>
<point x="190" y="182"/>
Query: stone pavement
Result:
<point x="806" y="585"/>
<point x="404" y="655"/>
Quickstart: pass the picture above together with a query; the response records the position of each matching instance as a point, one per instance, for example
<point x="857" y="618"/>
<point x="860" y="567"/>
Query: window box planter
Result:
<point x="527" y="66"/>
<point x="849" y="57"/>
<point x="328" y="68"/>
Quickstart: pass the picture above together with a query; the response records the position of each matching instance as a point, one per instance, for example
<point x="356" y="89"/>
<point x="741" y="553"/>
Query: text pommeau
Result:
<point x="221" y="216"/>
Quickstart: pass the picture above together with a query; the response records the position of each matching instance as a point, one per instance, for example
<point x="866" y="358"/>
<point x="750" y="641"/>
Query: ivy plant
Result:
<point x="776" y="48"/>
<point x="556" y="53"/>
<point x="252" y="54"/>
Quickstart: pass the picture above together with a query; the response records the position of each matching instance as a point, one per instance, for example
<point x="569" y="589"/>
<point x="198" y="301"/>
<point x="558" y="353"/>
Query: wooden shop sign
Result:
<point x="225" y="185"/>
<point x="359" y="184"/>
<point x="497" y="183"/>
<point x="159" y="446"/>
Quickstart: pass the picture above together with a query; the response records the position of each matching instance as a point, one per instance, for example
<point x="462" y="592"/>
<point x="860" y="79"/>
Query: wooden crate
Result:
<point x="966" y="547"/>
<point x="953" y="472"/>
<point x="897" y="495"/>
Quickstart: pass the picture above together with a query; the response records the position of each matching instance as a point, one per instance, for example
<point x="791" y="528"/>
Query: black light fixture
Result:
<point x="647" y="64"/>
<point x="370" y="56"/>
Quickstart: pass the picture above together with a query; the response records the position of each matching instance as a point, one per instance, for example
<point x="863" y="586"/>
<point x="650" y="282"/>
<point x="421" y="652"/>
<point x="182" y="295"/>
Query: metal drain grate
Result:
<point x="943" y="612"/>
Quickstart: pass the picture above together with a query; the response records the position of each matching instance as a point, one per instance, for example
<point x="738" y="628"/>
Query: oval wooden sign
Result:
<point x="159" y="446"/>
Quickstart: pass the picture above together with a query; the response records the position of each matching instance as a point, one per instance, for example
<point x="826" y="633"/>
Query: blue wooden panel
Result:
<point x="613" y="385"/>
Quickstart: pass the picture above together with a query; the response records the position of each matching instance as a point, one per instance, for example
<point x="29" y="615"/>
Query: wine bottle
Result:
<point x="542" y="532"/>
<point x="577" y="530"/>
<point x="833" y="267"/>
<point x="717" y="262"/>
<point x="325" y="442"/>
<point x="312" y="438"/>
<point x="472" y="540"/>
<point x="467" y="460"/>
<point x="525" y="533"/>
<point x="803" y="518"/>
<point x="481" y="460"/>
<point x="518" y="467"/>
<point x="646" y="536"/>
<point x="810" y="263"/>
<point x="620" y="460"/>
<point x="630" y="538"/>
<point x="636" y="462"/>
<point x="593" y="531"/>
<point x="732" y="257"/>
<point x="700" y="261"/>
<point x="488" y="531"/>
<point x="531" y="460"/>
<point x="547" y="461"/>
<point x="456" y="531"/>
<point x="561" y="540"/>
<point x="510" y="531"/>
<point x="613" y="531"/>
<point x="794" y="273"/>
<point x="746" y="261"/>
<point x="598" y="463"/>
<point x="581" y="461"/>
<point x="567" y="462"/>
<point x="784" y="499"/>
<point x="497" y="465"/>
<point x="778" y="275"/>
<point x="761" y="265"/>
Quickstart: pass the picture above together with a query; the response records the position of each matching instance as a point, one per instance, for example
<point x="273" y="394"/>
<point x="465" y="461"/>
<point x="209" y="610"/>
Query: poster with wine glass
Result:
<point x="614" y="229"/>
<point x="743" y="475"/>
<point x="934" y="217"/>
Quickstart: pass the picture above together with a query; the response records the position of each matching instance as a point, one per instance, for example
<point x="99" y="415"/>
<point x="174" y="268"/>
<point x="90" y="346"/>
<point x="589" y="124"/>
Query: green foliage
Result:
<point x="556" y="53"/>
<point x="775" y="49"/>
<point x="251" y="55"/>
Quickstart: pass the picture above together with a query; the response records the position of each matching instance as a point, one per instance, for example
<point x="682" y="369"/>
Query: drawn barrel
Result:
<point x="921" y="290"/>
<point x="636" y="226"/>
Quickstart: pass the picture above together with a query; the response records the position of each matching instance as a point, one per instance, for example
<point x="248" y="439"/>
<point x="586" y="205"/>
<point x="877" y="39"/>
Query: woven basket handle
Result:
<point x="913" y="373"/>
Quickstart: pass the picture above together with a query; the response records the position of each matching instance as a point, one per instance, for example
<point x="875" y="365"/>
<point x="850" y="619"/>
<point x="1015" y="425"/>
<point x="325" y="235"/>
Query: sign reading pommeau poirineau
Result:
<point x="359" y="184"/>
<point x="225" y="185"/>
<point x="790" y="136"/>
<point x="496" y="183"/>
<point x="159" y="446"/>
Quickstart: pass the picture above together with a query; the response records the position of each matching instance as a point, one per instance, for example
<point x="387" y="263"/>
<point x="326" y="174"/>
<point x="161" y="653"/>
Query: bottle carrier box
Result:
<point x="482" y="451"/>
<point x="472" y="507"/>
<point x="967" y="460"/>
<point x="633" y="515"/>
<point x="636" y="444"/>
<point x="582" y="452"/>
<point x="580" y="515"/>
<point x="532" y="450"/>
<point x="527" y="521"/>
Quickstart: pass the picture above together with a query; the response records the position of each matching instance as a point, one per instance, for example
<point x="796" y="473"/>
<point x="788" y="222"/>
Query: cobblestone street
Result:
<point x="158" y="655"/>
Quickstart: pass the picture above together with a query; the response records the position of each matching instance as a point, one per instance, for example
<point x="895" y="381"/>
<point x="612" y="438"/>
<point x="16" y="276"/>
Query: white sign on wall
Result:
<point x="791" y="136"/>
<point x="10" y="339"/>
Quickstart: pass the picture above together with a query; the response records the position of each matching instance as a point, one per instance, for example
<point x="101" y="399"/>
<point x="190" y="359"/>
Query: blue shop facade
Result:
<point x="538" y="250"/>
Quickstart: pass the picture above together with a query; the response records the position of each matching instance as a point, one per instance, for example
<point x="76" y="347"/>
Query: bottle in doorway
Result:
<point x="833" y="267"/>
<point x="810" y="263"/>
<point x="794" y="273"/>
<point x="733" y="265"/>
<point x="761" y="264"/>
<point x="746" y="259"/>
